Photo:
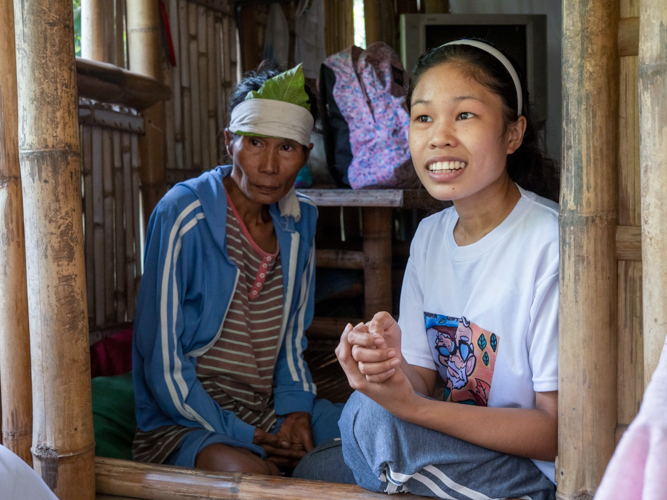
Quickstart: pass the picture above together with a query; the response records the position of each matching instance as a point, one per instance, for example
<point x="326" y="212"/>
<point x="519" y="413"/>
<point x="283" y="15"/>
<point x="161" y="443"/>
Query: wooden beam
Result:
<point x="16" y="423"/>
<point x="144" y="43"/>
<point x="63" y="443"/>
<point x="162" y="482"/>
<point x="377" y="224"/>
<point x="629" y="243"/>
<point x="110" y="84"/>
<point x="653" y="154"/>
<point x="588" y="219"/>
<point x="339" y="259"/>
<point x="628" y="36"/>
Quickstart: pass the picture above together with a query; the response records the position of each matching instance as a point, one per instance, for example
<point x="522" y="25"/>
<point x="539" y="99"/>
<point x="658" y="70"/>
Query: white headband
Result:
<point x="498" y="55"/>
<point x="274" y="119"/>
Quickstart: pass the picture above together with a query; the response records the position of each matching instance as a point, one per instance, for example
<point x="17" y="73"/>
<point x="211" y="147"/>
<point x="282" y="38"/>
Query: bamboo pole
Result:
<point x="120" y="34"/>
<point x="89" y="227"/>
<point x="98" y="225"/>
<point x="377" y="260"/>
<point x="202" y="46"/>
<point x="653" y="153"/>
<point x="174" y="22"/>
<point x="63" y="443"/>
<point x="212" y="93"/>
<point x="108" y="190"/>
<point x="130" y="254"/>
<point x="119" y="226"/>
<point x="588" y="218"/>
<point x="169" y="143"/>
<point x="630" y="374"/>
<point x="184" y="40"/>
<point x="145" y="49"/>
<point x="136" y="159"/>
<point x="194" y="85"/>
<point x="16" y="404"/>
<point x="93" y="30"/>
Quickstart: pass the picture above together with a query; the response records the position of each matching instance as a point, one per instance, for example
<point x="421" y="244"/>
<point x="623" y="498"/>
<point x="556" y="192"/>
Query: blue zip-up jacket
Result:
<point x="186" y="290"/>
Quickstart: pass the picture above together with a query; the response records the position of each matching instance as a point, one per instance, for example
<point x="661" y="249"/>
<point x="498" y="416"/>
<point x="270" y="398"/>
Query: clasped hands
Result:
<point x="370" y="354"/>
<point x="290" y="444"/>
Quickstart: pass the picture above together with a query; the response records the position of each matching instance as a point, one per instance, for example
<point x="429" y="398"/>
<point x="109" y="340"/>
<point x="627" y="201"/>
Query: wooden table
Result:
<point x="375" y="260"/>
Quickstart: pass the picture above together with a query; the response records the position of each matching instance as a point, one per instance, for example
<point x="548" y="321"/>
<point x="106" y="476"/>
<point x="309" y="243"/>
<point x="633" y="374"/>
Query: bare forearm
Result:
<point x="415" y="378"/>
<point x="528" y="433"/>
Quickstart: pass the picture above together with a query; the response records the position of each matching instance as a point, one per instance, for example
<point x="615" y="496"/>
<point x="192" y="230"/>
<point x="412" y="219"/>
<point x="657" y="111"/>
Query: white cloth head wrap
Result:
<point x="505" y="62"/>
<point x="274" y="119"/>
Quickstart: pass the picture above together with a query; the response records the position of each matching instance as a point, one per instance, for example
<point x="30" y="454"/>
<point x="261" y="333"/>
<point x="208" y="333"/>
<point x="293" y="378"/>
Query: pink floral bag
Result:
<point x="369" y="91"/>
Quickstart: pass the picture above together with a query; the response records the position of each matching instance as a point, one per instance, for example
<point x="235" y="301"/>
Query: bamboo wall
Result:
<point x="206" y="49"/>
<point x="110" y="164"/>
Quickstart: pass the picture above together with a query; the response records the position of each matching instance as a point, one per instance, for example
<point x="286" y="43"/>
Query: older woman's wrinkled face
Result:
<point x="265" y="168"/>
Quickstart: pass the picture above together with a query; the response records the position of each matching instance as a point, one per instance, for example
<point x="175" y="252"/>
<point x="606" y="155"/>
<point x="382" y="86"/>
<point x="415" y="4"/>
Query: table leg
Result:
<point x="377" y="260"/>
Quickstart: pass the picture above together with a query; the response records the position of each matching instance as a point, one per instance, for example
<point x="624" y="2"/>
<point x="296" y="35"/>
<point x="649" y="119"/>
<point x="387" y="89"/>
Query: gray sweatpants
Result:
<point x="386" y="454"/>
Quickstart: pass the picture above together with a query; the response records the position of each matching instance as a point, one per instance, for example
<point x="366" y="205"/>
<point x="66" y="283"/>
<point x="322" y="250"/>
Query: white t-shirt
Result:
<point x="18" y="481"/>
<point x="485" y="315"/>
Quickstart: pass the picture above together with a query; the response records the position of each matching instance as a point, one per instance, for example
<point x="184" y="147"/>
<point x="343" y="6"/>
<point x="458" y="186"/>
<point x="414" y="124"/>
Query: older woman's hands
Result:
<point x="371" y="357"/>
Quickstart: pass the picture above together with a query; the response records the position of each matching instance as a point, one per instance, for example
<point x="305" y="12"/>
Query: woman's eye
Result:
<point x="254" y="142"/>
<point x="465" y="115"/>
<point x="423" y="118"/>
<point x="288" y="147"/>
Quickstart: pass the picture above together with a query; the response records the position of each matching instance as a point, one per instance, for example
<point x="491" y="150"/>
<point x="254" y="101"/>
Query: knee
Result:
<point x="221" y="458"/>
<point x="363" y="416"/>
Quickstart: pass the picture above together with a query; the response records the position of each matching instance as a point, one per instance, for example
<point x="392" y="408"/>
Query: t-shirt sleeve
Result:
<point x="414" y="343"/>
<point x="543" y="335"/>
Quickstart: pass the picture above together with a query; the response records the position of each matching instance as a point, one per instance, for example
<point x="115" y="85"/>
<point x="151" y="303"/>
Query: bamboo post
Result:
<point x="202" y="47"/>
<point x="63" y="443"/>
<point x="653" y="153"/>
<point x="120" y="33"/>
<point x="16" y="404"/>
<point x="136" y="160"/>
<point x="377" y="260"/>
<point x="145" y="49"/>
<point x="108" y="190"/>
<point x="93" y="30"/>
<point x="89" y="218"/>
<point x="130" y="254"/>
<point x="98" y="225"/>
<point x="588" y="218"/>
<point x="212" y="93"/>
<point x="174" y="23"/>
<point x="119" y="226"/>
<point x="184" y="41"/>
<point x="630" y="376"/>
<point x="194" y="85"/>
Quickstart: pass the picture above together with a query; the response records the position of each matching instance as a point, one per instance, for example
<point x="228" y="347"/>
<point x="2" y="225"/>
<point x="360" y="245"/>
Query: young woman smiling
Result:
<point x="479" y="305"/>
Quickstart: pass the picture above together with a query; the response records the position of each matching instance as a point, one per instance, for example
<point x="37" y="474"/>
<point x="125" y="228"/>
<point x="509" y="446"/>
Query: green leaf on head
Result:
<point x="288" y="87"/>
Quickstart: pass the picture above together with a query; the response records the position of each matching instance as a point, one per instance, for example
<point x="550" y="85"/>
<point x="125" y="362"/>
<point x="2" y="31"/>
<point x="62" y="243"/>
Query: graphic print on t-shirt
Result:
<point x="465" y="356"/>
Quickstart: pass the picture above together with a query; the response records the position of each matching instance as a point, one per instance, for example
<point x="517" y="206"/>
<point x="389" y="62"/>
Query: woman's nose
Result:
<point x="443" y="134"/>
<point x="270" y="165"/>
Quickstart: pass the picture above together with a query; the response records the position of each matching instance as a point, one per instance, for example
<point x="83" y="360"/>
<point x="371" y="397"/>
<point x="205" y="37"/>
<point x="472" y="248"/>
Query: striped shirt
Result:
<point x="237" y="371"/>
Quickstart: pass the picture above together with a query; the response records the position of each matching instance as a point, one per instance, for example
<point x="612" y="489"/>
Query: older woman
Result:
<point x="227" y="292"/>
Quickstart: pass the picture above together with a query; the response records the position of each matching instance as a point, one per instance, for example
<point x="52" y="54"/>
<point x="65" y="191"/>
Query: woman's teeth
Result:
<point x="446" y="166"/>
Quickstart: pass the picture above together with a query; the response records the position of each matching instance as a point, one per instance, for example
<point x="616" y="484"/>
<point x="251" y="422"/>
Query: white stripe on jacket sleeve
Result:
<point x="173" y="249"/>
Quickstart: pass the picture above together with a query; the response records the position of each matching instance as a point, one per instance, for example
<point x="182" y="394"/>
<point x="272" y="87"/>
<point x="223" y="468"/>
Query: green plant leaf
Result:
<point x="288" y="87"/>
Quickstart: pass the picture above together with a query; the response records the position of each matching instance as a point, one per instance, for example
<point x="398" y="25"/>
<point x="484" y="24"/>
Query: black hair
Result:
<point x="253" y="80"/>
<point x="529" y="166"/>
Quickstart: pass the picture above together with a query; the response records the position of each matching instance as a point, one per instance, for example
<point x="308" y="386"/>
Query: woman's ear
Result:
<point x="229" y="138"/>
<point x="515" y="134"/>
